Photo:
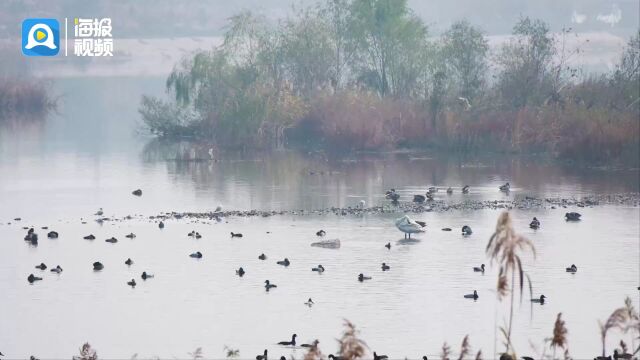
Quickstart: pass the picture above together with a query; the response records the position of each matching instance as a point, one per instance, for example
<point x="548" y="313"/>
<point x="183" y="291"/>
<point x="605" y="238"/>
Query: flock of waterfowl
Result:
<point x="409" y="226"/>
<point x="405" y="224"/>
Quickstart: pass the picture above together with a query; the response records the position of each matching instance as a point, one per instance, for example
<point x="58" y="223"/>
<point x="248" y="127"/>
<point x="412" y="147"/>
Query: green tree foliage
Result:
<point x="526" y="63"/>
<point x="365" y="74"/>
<point x="391" y="41"/>
<point x="308" y="52"/>
<point x="466" y="52"/>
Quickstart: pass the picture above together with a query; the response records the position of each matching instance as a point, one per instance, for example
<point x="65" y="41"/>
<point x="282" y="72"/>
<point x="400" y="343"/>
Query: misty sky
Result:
<point x="165" y="18"/>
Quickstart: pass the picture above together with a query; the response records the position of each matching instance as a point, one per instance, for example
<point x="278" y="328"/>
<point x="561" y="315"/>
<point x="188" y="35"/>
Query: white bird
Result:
<point x="99" y="212"/>
<point x="362" y="204"/>
<point x="211" y="154"/>
<point x="408" y="226"/>
<point x="464" y="102"/>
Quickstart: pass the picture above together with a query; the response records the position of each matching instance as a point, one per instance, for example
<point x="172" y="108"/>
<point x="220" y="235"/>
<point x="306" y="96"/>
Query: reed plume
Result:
<point x="504" y="248"/>
<point x="86" y="353"/>
<point x="351" y="347"/>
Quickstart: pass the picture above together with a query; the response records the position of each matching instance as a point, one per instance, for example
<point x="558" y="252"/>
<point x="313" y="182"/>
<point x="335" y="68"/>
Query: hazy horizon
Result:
<point x="202" y="18"/>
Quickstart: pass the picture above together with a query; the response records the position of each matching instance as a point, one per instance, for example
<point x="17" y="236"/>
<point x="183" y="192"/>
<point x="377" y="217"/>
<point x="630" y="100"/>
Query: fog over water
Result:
<point x="92" y="152"/>
<point x="59" y="172"/>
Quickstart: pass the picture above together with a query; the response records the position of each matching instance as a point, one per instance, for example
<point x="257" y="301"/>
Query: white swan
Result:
<point x="408" y="226"/>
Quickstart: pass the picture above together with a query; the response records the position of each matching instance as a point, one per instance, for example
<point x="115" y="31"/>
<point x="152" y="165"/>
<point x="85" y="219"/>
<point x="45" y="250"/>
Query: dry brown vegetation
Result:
<point x="23" y="98"/>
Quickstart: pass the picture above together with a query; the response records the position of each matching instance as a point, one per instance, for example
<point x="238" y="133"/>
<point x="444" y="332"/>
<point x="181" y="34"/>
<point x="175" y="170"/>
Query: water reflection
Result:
<point x="90" y="156"/>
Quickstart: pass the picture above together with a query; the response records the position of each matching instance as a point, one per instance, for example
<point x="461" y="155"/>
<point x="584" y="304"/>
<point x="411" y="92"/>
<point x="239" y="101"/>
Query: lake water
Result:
<point x="90" y="155"/>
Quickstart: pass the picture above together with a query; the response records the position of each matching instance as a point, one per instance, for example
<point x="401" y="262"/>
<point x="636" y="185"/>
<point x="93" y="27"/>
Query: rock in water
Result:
<point x="328" y="244"/>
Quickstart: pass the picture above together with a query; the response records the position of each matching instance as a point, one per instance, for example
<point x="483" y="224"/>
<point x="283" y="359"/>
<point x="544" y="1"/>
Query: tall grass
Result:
<point x="504" y="248"/>
<point x="354" y="120"/>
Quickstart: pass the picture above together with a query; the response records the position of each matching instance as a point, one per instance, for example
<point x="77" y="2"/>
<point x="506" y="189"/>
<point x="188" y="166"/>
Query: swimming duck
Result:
<point x="408" y="226"/>
<point x="505" y="187"/>
<point x="99" y="212"/>
<point x="240" y="272"/>
<point x="137" y="192"/>
<point x="419" y="199"/>
<point x="235" y="235"/>
<point x="196" y="255"/>
<point x="315" y="343"/>
<point x="535" y="223"/>
<point x="284" y="262"/>
<point x="31" y="236"/>
<point x="333" y="357"/>
<point x="90" y="237"/>
<point x="42" y="266"/>
<point x="263" y="356"/>
<point x="385" y="267"/>
<point x="473" y="296"/>
<point x="262" y="257"/>
<point x="391" y="195"/>
<point x="132" y="283"/>
<point x="572" y="216"/>
<point x="526" y="358"/>
<point x="52" y="235"/>
<point x="128" y="262"/>
<point x="31" y="279"/>
<point x="98" y="265"/>
<point x="198" y="236"/>
<point x="539" y="300"/>
<point x="449" y="191"/>
<point x="379" y="357"/>
<point x="112" y="240"/>
<point x="289" y="343"/>
<point x="130" y="236"/>
<point x="268" y="285"/>
<point x="319" y="269"/>
<point x="388" y="246"/>
<point x="446" y="229"/>
<point x="479" y="269"/>
<point x="572" y="269"/>
<point x="602" y="357"/>
<point x="309" y="302"/>
<point x="466" y="230"/>
<point x="617" y="355"/>
<point x="321" y="232"/>
<point x="146" y="276"/>
<point x="57" y="269"/>
<point x="465" y="189"/>
<point x="161" y="225"/>
<point x="362" y="278"/>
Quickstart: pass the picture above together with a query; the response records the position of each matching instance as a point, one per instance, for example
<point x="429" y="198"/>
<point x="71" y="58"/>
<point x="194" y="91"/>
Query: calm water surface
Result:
<point x="59" y="173"/>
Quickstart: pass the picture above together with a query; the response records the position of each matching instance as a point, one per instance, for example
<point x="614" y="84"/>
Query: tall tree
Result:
<point x="385" y="29"/>
<point x="465" y="51"/>
<point x="525" y="62"/>
<point x="309" y="53"/>
<point x="338" y="14"/>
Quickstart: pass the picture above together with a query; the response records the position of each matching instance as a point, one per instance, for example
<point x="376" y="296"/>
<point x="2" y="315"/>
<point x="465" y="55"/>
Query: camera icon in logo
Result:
<point x="40" y="37"/>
